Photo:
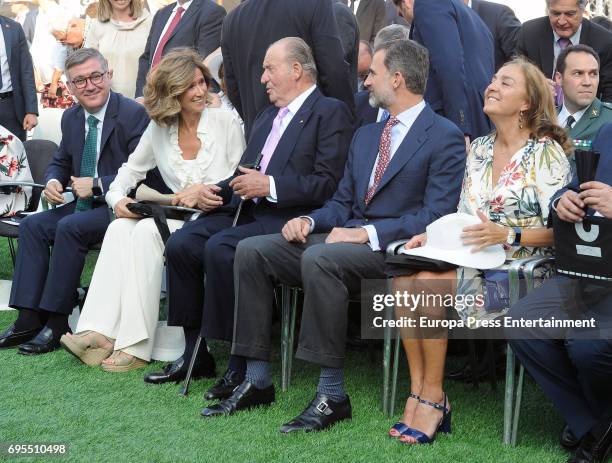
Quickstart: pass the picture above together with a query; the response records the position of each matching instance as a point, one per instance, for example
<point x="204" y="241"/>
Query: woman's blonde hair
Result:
<point x="168" y="81"/>
<point x="541" y="117"/>
<point x="105" y="9"/>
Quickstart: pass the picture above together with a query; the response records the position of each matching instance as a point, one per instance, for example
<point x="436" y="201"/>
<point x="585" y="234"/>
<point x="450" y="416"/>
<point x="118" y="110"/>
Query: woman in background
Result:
<point x="120" y="34"/>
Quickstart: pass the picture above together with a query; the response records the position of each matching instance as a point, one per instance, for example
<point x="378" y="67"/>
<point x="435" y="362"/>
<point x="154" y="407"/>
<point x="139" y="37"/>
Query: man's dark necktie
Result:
<point x="88" y="161"/>
<point x="569" y="122"/>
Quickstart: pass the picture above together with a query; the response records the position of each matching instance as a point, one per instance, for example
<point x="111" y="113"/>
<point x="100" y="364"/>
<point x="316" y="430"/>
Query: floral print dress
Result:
<point x="13" y="168"/>
<point x="520" y="198"/>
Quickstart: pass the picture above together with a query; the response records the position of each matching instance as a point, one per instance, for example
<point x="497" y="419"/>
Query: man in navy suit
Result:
<point x="503" y="24"/>
<point x="250" y="29"/>
<point x="462" y="60"/>
<point x="18" y="104"/>
<point x="304" y="139"/>
<point x="401" y="175"/>
<point x="574" y="366"/>
<point x="97" y="137"/>
<point x="187" y="23"/>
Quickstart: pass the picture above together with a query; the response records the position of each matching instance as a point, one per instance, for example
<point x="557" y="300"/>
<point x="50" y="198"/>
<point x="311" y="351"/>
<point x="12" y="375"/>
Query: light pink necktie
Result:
<point x="272" y="140"/>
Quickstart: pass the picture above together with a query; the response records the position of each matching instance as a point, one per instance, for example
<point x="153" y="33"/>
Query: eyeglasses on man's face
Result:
<point x="96" y="79"/>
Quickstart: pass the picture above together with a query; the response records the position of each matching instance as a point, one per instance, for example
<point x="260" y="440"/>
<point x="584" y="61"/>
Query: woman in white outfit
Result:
<point x="191" y="145"/>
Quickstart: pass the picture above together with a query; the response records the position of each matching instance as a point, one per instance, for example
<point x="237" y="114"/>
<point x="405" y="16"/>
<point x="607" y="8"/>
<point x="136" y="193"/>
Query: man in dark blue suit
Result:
<point x="304" y="141"/>
<point x="187" y="23"/>
<point x="461" y="52"/>
<point x="401" y="175"/>
<point x="97" y="137"/>
<point x="503" y="24"/>
<point x="574" y="366"/>
<point x="18" y="104"/>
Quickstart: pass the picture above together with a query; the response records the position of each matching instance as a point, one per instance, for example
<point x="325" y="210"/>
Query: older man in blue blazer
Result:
<point x="97" y="137"/>
<point x="461" y="51"/>
<point x="574" y="366"/>
<point x="401" y="175"/>
<point x="304" y="139"/>
<point x="18" y="104"/>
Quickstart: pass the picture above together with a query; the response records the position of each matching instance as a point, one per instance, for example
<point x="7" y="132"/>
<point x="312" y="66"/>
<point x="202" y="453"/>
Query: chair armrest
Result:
<point x="30" y="184"/>
<point x="394" y="247"/>
<point x="515" y="268"/>
<point x="526" y="266"/>
<point x="532" y="265"/>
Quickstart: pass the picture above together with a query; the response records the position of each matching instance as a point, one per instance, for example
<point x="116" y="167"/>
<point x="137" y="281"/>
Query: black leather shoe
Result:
<point x="567" y="440"/>
<point x="12" y="338"/>
<point x="223" y="388"/>
<point x="42" y="343"/>
<point x="244" y="397"/>
<point x="177" y="371"/>
<point x="596" y="445"/>
<point x="460" y="374"/>
<point x="320" y="414"/>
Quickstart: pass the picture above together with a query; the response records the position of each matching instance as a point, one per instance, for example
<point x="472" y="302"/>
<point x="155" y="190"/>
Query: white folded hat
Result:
<point x="444" y="243"/>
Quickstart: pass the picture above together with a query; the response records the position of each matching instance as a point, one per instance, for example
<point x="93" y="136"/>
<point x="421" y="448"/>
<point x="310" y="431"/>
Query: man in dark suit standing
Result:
<point x="303" y="140"/>
<point x="248" y="32"/>
<point x="18" y="104"/>
<point x="383" y="196"/>
<point x="462" y="60"/>
<point x="542" y="39"/>
<point x="503" y="24"/>
<point x="371" y="16"/>
<point x="393" y="17"/>
<point x="187" y="23"/>
<point x="573" y="366"/>
<point x="97" y="137"/>
<point x="349" y="36"/>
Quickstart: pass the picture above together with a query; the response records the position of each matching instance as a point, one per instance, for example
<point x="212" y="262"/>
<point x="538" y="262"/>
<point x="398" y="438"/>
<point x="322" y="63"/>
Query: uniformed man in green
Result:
<point x="582" y="113"/>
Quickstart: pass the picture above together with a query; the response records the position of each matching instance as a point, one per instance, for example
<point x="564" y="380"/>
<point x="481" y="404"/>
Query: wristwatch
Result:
<point x="96" y="189"/>
<point x="514" y="236"/>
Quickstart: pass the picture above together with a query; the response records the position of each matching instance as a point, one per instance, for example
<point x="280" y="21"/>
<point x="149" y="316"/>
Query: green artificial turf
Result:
<point x="108" y="417"/>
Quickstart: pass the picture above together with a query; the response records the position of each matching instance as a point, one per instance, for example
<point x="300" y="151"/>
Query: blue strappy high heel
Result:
<point x="400" y="427"/>
<point x="444" y="426"/>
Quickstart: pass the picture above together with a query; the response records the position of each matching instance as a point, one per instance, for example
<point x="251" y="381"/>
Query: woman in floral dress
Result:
<point x="13" y="168"/>
<point x="510" y="178"/>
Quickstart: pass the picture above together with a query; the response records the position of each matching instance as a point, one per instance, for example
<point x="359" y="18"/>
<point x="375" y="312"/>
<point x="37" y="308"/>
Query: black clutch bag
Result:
<point x="161" y="214"/>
